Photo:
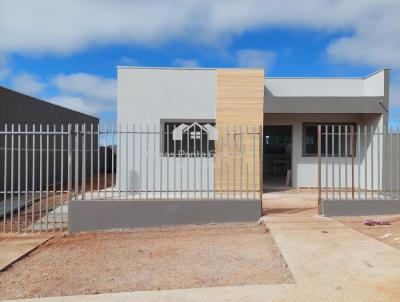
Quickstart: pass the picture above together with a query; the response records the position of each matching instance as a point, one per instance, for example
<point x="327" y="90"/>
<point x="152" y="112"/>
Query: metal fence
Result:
<point x="358" y="162"/>
<point x="47" y="167"/>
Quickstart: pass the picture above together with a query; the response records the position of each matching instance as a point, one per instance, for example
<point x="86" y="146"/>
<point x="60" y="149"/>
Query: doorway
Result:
<point x="277" y="157"/>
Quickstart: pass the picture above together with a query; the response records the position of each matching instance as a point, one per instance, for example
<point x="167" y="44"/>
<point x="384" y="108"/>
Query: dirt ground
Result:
<point x="54" y="201"/>
<point x="389" y="234"/>
<point x="150" y="259"/>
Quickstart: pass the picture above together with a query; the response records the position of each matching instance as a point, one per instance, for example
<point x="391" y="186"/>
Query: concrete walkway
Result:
<point x="12" y="206"/>
<point x="13" y="248"/>
<point x="333" y="262"/>
<point x="55" y="219"/>
<point x="329" y="261"/>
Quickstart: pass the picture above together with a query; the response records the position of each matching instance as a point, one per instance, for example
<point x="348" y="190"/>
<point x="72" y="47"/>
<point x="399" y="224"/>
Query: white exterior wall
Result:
<point x="298" y="87"/>
<point x="372" y="85"/>
<point x="375" y="84"/>
<point x="148" y="95"/>
<point x="305" y="169"/>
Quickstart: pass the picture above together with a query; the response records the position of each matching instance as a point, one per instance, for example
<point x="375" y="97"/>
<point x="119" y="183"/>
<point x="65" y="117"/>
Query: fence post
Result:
<point x="261" y="154"/>
<point x="69" y="165"/>
<point x="319" y="169"/>
<point x="352" y="161"/>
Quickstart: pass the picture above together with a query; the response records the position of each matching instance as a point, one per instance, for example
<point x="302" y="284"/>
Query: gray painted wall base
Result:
<point x="88" y="215"/>
<point x="360" y="207"/>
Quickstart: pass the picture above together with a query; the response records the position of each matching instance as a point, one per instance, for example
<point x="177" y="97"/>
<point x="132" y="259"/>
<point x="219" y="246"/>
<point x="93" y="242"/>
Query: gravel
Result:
<point x="389" y="234"/>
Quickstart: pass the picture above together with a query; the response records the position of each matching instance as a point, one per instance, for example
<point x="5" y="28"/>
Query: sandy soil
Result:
<point x="293" y="201"/>
<point x="151" y="259"/>
<point x="389" y="234"/>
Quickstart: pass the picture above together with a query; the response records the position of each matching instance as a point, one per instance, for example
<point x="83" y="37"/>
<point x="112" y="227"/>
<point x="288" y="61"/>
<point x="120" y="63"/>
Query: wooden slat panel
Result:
<point x="240" y="103"/>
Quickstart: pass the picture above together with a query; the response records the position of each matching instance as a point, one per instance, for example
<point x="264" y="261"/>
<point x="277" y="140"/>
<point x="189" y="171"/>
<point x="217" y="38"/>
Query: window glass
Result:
<point x="334" y="139"/>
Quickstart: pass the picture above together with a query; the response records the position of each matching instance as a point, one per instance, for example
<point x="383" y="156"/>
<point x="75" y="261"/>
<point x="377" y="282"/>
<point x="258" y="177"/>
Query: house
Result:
<point x="288" y="110"/>
<point x="188" y="136"/>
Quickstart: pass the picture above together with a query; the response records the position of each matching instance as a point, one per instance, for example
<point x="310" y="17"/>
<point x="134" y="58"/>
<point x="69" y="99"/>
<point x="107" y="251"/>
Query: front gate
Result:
<point x="358" y="170"/>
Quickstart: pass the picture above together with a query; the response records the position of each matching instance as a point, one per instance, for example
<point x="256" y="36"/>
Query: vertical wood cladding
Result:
<point x="240" y="107"/>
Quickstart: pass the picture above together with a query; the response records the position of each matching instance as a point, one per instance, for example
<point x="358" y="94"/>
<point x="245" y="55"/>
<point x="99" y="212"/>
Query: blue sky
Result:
<point x="66" y="52"/>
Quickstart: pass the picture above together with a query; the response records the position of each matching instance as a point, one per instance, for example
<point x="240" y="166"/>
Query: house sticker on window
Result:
<point x="194" y="130"/>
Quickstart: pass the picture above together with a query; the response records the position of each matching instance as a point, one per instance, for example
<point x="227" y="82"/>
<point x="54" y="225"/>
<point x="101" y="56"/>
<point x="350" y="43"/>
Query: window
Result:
<point x="329" y="132"/>
<point x="276" y="140"/>
<point x="188" y="138"/>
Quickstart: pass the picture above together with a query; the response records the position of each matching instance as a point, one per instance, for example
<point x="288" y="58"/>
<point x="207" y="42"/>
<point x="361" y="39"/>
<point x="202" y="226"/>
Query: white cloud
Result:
<point x="3" y="59"/>
<point x="27" y="83"/>
<point x="65" y="27"/>
<point x="255" y="58"/>
<point x="394" y="92"/>
<point x="87" y="85"/>
<point x="79" y="103"/>
<point x="85" y="92"/>
<point x="4" y="72"/>
<point x="371" y="27"/>
<point x="186" y="63"/>
<point x="375" y="40"/>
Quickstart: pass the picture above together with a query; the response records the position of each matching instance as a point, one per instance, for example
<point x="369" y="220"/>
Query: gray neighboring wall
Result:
<point x="17" y="108"/>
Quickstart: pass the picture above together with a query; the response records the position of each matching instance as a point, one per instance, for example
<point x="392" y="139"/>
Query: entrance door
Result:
<point x="277" y="159"/>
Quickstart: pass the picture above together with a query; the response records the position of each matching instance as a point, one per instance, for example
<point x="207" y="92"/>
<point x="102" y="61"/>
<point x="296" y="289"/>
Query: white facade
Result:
<point x="149" y="96"/>
<point x="146" y="95"/>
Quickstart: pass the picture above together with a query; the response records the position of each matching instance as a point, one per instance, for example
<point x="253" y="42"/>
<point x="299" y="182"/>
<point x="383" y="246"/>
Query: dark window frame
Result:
<point x="168" y="153"/>
<point x="329" y="124"/>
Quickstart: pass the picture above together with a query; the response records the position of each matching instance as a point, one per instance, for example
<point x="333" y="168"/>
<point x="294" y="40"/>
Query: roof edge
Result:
<point x="165" y="68"/>
<point x="186" y="68"/>
<point x="329" y="78"/>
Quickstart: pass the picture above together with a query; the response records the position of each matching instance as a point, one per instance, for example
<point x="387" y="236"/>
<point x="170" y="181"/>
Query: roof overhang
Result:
<point x="373" y="104"/>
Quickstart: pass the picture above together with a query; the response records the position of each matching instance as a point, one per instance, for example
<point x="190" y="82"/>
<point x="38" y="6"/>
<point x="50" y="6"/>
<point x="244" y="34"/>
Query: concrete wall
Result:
<point x="17" y="108"/>
<point x="305" y="173"/>
<point x="331" y="208"/>
<point x="88" y="215"/>
<point x="148" y="95"/>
